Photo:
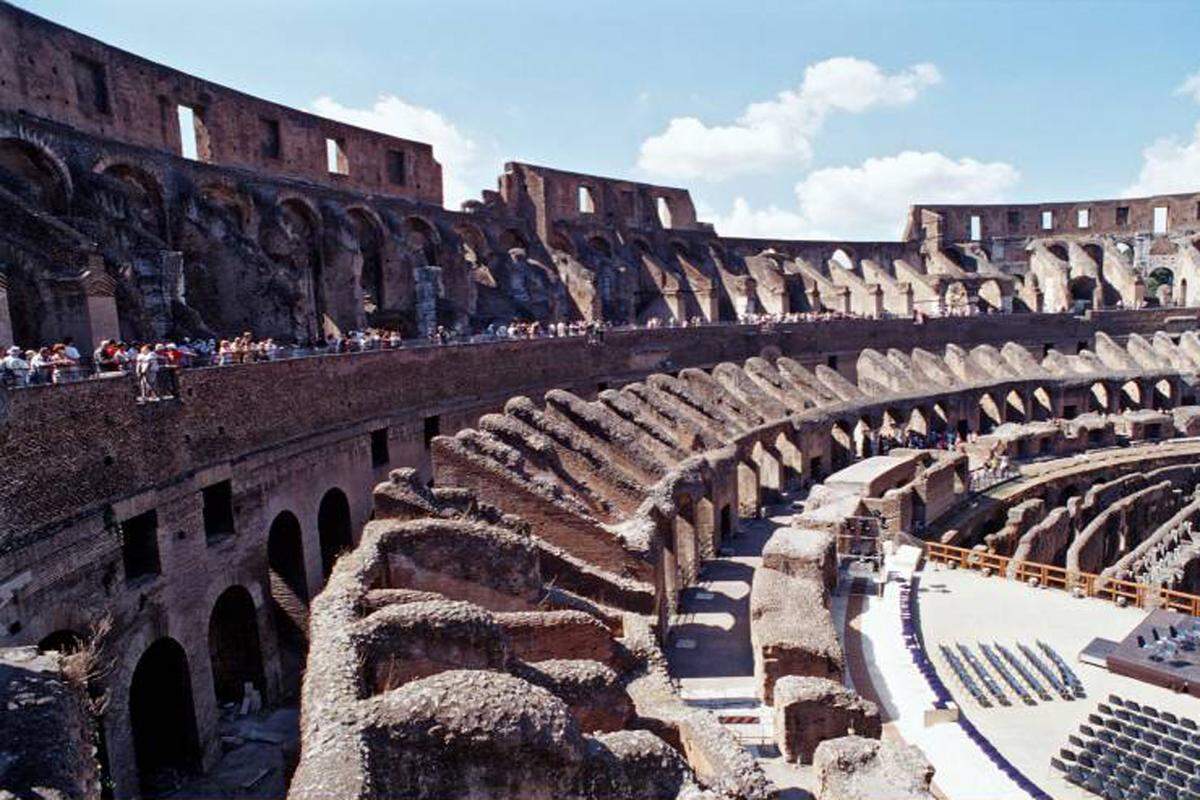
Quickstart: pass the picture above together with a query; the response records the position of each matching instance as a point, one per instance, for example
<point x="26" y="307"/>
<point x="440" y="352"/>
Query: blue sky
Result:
<point x="883" y="103"/>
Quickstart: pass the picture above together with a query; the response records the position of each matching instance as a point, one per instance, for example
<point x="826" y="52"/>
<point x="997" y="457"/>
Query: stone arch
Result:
<point x="601" y="245"/>
<point x="35" y="172"/>
<point x="233" y="645"/>
<point x="334" y="528"/>
<point x="939" y="421"/>
<point x="1160" y="284"/>
<point x="474" y="244"/>
<point x="301" y="224"/>
<point x="1015" y="408"/>
<point x="842" y="258"/>
<point x="162" y="716"/>
<point x="237" y="208"/>
<point x="513" y="239"/>
<point x="686" y="551"/>
<point x="1042" y="404"/>
<point x="561" y="240"/>
<point x="1164" y="394"/>
<point x="1082" y="289"/>
<point x="991" y="295"/>
<point x="147" y="198"/>
<point x="369" y="233"/>
<point x="1131" y="395"/>
<point x="841" y="445"/>
<point x="289" y="590"/>
<point x="423" y="238"/>
<point x="990" y="413"/>
<point x="1098" y="399"/>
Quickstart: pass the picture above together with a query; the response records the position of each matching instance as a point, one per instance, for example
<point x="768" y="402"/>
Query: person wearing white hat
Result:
<point x="14" y="370"/>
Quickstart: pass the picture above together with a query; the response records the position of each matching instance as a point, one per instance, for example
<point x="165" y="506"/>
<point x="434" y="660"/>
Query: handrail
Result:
<point x="1138" y="595"/>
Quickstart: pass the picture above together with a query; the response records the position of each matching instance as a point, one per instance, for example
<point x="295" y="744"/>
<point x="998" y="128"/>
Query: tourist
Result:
<point x="147" y="373"/>
<point x="14" y="370"/>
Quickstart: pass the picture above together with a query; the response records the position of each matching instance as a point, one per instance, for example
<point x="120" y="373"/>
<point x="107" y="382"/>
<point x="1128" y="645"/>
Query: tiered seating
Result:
<point x="1129" y="751"/>
<point x="986" y="677"/>
<point x="1068" y="675"/>
<point x="964" y="677"/>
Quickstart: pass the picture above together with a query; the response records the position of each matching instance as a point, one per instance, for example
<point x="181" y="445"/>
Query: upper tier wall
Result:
<point x="54" y="73"/>
<point x="94" y="444"/>
<point x="1127" y="216"/>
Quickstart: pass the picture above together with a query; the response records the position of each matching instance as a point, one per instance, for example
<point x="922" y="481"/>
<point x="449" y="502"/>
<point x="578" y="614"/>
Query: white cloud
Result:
<point x="1169" y="165"/>
<point x="780" y="131"/>
<point x="457" y="152"/>
<point x="870" y="201"/>
<point x="1190" y="86"/>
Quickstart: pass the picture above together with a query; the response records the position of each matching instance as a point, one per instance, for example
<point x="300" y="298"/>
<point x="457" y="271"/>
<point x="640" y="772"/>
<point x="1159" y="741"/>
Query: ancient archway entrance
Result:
<point x="163" y="718"/>
<point x="333" y="528"/>
<point x="289" y="595"/>
<point x="233" y="645"/>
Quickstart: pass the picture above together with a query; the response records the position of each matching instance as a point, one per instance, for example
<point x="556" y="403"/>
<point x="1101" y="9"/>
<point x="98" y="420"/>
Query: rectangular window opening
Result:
<point x="433" y="427"/>
<point x="194" y="142"/>
<point x="1080" y="346"/>
<point x="1160" y="219"/>
<point x="1083" y="218"/>
<point x="218" y="510"/>
<point x="1014" y="221"/>
<point x="272" y="142"/>
<point x="587" y="203"/>
<point x="1047" y="220"/>
<point x="91" y="85"/>
<point x="1122" y="215"/>
<point x="379" y="448"/>
<point x="976" y="228"/>
<point x="139" y="546"/>
<point x="664" y="212"/>
<point x="1046" y="348"/>
<point x="397" y="168"/>
<point x="335" y="157"/>
<point x="831" y="362"/>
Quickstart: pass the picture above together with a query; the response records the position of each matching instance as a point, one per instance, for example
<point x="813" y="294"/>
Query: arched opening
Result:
<point x="601" y="246"/>
<point x="1043" y="406"/>
<point x="1098" y="398"/>
<point x="990" y="414"/>
<point x="512" y="239"/>
<point x="1160" y="284"/>
<point x="561" y="242"/>
<point x="991" y="295"/>
<point x="301" y="251"/>
<point x="841" y="445"/>
<point x="1015" y="407"/>
<point x="663" y="206"/>
<point x="233" y="646"/>
<point x="143" y="196"/>
<point x="686" y="551"/>
<point x="289" y="592"/>
<point x="1131" y="396"/>
<point x="162" y="717"/>
<point x="370" y="247"/>
<point x="1083" y="293"/>
<point x="842" y="259"/>
<point x="32" y="174"/>
<point x="956" y="298"/>
<point x="333" y="528"/>
<point x="422" y="239"/>
<point x="1181" y="293"/>
<point x="748" y="500"/>
<point x="1163" y="394"/>
<point x="938" y="420"/>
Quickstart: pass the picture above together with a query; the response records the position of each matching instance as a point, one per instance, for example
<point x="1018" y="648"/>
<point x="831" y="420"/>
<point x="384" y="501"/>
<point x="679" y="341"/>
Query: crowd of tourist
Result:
<point x="63" y="363"/>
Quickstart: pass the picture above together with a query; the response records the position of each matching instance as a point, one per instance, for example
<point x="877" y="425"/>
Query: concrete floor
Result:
<point x="959" y="606"/>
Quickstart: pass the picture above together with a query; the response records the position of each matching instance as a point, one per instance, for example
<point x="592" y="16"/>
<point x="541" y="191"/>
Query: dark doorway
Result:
<point x="289" y="595"/>
<point x="333" y="528"/>
<point x="233" y="645"/>
<point x="163" y="718"/>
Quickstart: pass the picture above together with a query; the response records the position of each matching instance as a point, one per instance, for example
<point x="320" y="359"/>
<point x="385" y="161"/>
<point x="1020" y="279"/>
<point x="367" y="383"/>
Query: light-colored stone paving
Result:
<point x="958" y="606"/>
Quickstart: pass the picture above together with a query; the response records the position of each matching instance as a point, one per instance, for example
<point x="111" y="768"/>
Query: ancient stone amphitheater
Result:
<point x="556" y="567"/>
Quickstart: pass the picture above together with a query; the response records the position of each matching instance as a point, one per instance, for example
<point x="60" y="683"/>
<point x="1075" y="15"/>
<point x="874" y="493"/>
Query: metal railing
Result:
<point x="1138" y="595"/>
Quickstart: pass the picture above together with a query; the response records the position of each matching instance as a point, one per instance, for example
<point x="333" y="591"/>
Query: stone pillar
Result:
<point x="100" y="303"/>
<point x="906" y="300"/>
<point x="707" y="299"/>
<point x="674" y="303"/>
<point x="428" y="287"/>
<point x="874" y="307"/>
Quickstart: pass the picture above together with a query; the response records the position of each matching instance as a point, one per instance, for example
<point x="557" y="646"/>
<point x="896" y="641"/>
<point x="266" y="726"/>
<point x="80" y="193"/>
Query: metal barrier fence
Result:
<point x="1138" y="595"/>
